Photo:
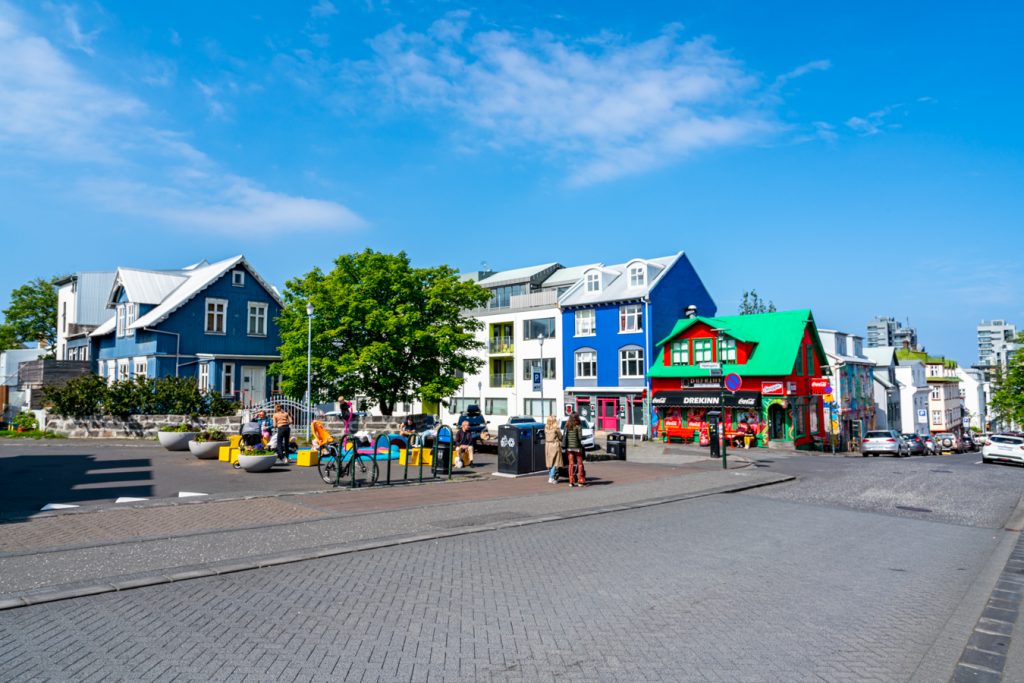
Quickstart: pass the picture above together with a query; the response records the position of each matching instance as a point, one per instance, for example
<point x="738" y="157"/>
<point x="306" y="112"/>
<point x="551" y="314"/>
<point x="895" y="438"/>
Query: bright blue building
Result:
<point x="611" y="318"/>
<point x="214" y="322"/>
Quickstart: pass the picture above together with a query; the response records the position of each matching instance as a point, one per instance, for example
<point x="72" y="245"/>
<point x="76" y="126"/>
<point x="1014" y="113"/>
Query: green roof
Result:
<point x="907" y="354"/>
<point x="776" y="336"/>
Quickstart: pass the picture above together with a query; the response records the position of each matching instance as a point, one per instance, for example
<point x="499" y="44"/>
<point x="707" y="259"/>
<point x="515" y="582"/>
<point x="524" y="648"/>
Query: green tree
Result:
<point x="8" y="338"/>
<point x="32" y="313"/>
<point x="753" y="303"/>
<point x="381" y="328"/>
<point x="1008" y="389"/>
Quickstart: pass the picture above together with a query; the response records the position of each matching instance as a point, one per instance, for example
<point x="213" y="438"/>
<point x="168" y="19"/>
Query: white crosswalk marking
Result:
<point x="129" y="499"/>
<point x="189" y="494"/>
<point x="56" y="506"/>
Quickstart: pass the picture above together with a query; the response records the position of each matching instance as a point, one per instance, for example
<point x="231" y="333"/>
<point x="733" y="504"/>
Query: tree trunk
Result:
<point x="386" y="408"/>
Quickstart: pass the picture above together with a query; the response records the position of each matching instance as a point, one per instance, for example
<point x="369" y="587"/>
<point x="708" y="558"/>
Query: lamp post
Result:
<point x="541" y="338"/>
<point x="309" y="367"/>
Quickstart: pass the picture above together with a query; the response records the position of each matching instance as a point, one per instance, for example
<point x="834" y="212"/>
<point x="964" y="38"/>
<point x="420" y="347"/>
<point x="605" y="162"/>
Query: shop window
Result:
<point x="537" y="408"/>
<point x="586" y="364"/>
<point x="585" y="323"/>
<point x="799" y="417"/>
<point x="702" y="351"/>
<point x="681" y="352"/>
<point x="726" y="350"/>
<point x="460" y="403"/>
<point x="631" y="362"/>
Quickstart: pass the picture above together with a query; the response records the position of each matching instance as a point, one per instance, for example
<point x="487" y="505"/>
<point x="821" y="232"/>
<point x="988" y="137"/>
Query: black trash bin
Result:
<point x="616" y="445"/>
<point x="516" y="444"/>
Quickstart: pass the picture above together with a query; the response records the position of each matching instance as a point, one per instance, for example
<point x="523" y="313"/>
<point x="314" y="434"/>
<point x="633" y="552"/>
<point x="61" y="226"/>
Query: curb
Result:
<point x="59" y="594"/>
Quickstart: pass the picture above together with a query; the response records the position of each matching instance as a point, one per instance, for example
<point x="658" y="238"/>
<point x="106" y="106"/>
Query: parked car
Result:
<point x="948" y="442"/>
<point x="982" y="438"/>
<point x="1004" y="448"/>
<point x="523" y="420"/>
<point x="969" y="442"/>
<point x="589" y="443"/>
<point x="915" y="444"/>
<point x="477" y="422"/>
<point x="930" y="445"/>
<point x="888" y="442"/>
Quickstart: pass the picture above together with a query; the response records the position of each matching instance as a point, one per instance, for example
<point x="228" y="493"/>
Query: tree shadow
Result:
<point x="29" y="482"/>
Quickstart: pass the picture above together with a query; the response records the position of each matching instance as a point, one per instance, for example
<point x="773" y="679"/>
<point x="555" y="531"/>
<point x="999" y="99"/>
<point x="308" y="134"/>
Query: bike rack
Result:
<point x="392" y="442"/>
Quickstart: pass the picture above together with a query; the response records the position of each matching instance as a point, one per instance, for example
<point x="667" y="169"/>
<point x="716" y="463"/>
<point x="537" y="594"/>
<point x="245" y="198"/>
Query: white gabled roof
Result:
<point x="568" y="276"/>
<point x="190" y="281"/>
<point x="146" y="286"/>
<point x="615" y="283"/>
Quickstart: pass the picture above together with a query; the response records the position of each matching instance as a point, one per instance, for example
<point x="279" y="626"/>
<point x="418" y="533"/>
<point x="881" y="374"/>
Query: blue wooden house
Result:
<point x="211" y="321"/>
<point x="611" y="319"/>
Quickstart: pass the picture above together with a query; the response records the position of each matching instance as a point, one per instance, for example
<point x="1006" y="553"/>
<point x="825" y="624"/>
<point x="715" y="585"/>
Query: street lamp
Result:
<point x="541" y="338"/>
<point x="309" y="367"/>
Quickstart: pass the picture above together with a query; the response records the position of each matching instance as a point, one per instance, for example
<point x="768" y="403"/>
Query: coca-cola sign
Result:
<point x="819" y="385"/>
<point x="773" y="388"/>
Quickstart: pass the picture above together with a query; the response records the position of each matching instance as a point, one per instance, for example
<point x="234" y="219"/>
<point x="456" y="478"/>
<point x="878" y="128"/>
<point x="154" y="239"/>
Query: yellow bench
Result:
<point x="307" y="458"/>
<point x="415" y="455"/>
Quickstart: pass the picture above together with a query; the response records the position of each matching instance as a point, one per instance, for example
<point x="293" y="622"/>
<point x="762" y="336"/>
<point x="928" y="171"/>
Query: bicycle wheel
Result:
<point x="329" y="465"/>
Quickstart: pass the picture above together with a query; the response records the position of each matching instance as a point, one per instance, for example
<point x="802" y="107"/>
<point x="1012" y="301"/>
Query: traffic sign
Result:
<point x="733" y="381"/>
<point x="536" y="380"/>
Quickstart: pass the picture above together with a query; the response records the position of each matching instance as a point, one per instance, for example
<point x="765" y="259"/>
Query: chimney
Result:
<point x="691" y="311"/>
<point x="906" y="344"/>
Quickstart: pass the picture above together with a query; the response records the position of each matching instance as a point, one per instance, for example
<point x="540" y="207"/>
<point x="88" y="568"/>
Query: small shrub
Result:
<point x="134" y="396"/>
<point x="211" y="435"/>
<point x="25" y="422"/>
<point x="218" y="406"/>
<point x="177" y="396"/>
<point x="80" y="397"/>
<point x="183" y="427"/>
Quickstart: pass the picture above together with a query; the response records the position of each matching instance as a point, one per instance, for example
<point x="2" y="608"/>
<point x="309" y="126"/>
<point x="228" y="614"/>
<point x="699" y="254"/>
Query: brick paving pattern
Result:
<point x="724" y="588"/>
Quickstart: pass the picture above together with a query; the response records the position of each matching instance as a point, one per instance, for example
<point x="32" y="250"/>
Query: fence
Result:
<point x="298" y="411"/>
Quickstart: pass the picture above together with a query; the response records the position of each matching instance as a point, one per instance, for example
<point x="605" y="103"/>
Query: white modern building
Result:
<point x="914" y="392"/>
<point x="996" y="342"/>
<point x="887" y="331"/>
<point x="945" y="412"/>
<point x="972" y="393"/>
<point x="81" y="308"/>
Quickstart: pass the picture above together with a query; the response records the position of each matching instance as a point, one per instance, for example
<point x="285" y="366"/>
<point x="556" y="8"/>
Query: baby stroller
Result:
<point x="252" y="434"/>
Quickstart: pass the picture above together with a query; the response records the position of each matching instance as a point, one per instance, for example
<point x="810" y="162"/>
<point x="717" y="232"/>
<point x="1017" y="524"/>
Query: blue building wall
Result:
<point x="606" y="342"/>
<point x="679" y="288"/>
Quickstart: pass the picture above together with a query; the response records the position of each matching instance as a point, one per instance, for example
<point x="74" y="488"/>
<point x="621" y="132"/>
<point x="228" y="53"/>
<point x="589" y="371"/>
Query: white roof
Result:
<point x="881" y="355"/>
<point x="568" y="276"/>
<point x="191" y="282"/>
<point x="515" y="275"/>
<point x="146" y="286"/>
<point x="615" y="282"/>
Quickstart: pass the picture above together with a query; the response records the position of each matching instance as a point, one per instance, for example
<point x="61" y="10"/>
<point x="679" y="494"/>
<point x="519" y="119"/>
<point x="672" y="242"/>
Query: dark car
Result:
<point x="915" y="443"/>
<point x="970" y="444"/>
<point x="475" y="417"/>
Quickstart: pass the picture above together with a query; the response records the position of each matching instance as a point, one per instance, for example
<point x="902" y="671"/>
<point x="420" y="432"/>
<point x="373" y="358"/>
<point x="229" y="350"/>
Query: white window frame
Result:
<point x="637" y="276"/>
<point x="261" y="316"/>
<point x="204" y="377"/>
<point x="679" y="352"/>
<point x="227" y="380"/>
<point x="121" y="316"/>
<point x="592" y="282"/>
<point x="491" y="406"/>
<point x="140" y="367"/>
<point x="727" y="351"/>
<point x="631" y="356"/>
<point x="703" y="350"/>
<point x="585" y="315"/>
<point x="583" y="358"/>
<point x="130" y="313"/>
<point x="122" y="369"/>
<point x="631" y="314"/>
<point x="238" y="278"/>
<point x="223" y="316"/>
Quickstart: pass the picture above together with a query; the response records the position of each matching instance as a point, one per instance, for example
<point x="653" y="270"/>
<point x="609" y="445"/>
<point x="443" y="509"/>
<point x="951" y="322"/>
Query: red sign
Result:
<point x="773" y="388"/>
<point x="819" y="386"/>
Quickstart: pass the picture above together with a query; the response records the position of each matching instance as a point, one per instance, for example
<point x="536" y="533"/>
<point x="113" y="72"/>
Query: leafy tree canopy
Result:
<point x="8" y="338"/>
<point x="1008" y="389"/>
<point x="753" y="303"/>
<point x="380" y="328"/>
<point x="32" y="314"/>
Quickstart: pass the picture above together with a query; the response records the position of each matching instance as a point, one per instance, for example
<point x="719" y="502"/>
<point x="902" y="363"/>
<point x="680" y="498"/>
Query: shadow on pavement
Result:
<point x="28" y="482"/>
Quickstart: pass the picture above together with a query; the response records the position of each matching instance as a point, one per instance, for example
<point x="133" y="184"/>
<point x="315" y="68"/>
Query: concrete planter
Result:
<point x="176" y="441"/>
<point x="256" y="463"/>
<point x="206" y="450"/>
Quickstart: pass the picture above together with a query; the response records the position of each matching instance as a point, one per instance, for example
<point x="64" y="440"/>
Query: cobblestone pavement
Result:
<point x="721" y="588"/>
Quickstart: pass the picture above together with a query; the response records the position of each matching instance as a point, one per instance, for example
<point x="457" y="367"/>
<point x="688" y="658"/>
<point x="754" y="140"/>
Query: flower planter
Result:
<point x="206" y="450"/>
<point x="176" y="441"/>
<point x="256" y="463"/>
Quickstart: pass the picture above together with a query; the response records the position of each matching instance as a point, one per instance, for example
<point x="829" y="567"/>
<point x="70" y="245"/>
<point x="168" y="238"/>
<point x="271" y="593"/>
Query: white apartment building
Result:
<point x="81" y="308"/>
<point x="996" y="342"/>
<point x="522" y="332"/>
<point x="972" y="393"/>
<point x="914" y="395"/>
<point x="945" y="411"/>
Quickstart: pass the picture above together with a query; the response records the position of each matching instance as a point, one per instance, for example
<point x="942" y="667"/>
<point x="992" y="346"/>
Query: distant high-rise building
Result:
<point x="996" y="342"/>
<point x="889" y="332"/>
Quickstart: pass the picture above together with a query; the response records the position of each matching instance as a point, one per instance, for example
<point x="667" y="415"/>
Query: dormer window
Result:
<point x="238" y="278"/>
<point x="593" y="282"/>
<point x="637" y="276"/>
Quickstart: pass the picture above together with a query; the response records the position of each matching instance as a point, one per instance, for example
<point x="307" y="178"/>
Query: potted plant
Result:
<point x="206" y="445"/>
<point x="176" y="437"/>
<point x="256" y="460"/>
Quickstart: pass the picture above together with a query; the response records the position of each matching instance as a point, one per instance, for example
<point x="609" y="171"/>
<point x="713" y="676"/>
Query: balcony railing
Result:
<point x="501" y="345"/>
<point x="503" y="380"/>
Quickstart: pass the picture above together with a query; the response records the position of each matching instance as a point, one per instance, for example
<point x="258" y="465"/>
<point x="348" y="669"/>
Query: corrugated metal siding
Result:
<point x="93" y="290"/>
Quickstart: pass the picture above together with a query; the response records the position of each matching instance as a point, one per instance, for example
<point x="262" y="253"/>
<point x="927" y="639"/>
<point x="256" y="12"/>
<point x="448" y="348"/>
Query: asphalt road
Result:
<point x="828" y="578"/>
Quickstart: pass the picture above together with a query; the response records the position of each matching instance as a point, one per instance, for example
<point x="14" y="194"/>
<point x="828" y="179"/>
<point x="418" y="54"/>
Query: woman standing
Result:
<point x="553" y="448"/>
<point x="283" y="426"/>
<point x="574" y="448"/>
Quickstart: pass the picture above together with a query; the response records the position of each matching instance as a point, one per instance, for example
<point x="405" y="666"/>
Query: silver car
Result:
<point x="1004" y="448"/>
<point x="887" y="442"/>
<point x="587" y="432"/>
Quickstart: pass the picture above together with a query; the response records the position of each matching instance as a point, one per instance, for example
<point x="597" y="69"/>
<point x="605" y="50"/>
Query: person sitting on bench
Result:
<point x="464" y="446"/>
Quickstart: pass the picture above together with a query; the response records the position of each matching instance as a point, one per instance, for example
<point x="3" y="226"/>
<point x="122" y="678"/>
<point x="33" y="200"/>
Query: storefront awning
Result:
<point x="701" y="398"/>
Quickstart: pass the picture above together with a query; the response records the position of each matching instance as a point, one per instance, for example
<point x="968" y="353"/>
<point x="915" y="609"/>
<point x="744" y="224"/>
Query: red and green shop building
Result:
<point x="781" y="365"/>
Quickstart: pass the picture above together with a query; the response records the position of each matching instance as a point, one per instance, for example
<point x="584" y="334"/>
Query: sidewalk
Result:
<point x="54" y="557"/>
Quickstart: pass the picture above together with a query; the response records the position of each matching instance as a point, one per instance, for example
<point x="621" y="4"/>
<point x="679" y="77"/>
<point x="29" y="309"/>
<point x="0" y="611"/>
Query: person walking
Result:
<point x="283" y="427"/>
<point x="573" y="440"/>
<point x="553" y="448"/>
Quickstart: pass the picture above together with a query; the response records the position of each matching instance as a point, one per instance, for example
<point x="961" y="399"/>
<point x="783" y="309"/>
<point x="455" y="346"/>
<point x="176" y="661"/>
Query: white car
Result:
<point x="588" y="434"/>
<point x="1004" y="448"/>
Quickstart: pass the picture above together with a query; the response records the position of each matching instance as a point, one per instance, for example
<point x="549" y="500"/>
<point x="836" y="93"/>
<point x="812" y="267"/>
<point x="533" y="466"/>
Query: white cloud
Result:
<point x="80" y="40"/>
<point x="324" y="8"/>
<point x="802" y="70"/>
<point x="604" y="107"/>
<point x="873" y="123"/>
<point x="52" y="113"/>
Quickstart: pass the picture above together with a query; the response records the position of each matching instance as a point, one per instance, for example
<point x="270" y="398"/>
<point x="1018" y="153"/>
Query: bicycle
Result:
<point x="335" y="464"/>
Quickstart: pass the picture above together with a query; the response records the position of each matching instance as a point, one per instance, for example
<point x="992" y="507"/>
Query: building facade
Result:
<point x="611" y="318"/>
<point x="973" y="396"/>
<point x="81" y="308"/>
<point x="914" y="394"/>
<point x="887" y="395"/>
<point x="779" y="359"/>
<point x="853" y="386"/>
<point x="887" y="331"/>
<point x="945" y="411"/>
<point x="996" y="343"/>
<point x="215" y="322"/>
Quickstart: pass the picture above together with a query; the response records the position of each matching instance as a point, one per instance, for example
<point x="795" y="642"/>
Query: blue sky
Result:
<point x="857" y="159"/>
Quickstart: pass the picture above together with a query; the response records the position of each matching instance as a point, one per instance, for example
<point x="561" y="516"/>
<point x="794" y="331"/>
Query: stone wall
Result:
<point x="132" y="427"/>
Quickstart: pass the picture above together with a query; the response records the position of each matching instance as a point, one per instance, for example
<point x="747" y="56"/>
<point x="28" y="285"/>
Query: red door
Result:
<point x="607" y="418"/>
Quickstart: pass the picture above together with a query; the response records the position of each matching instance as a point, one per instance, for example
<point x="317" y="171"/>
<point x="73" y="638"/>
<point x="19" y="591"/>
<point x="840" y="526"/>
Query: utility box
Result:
<point x="616" y="445"/>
